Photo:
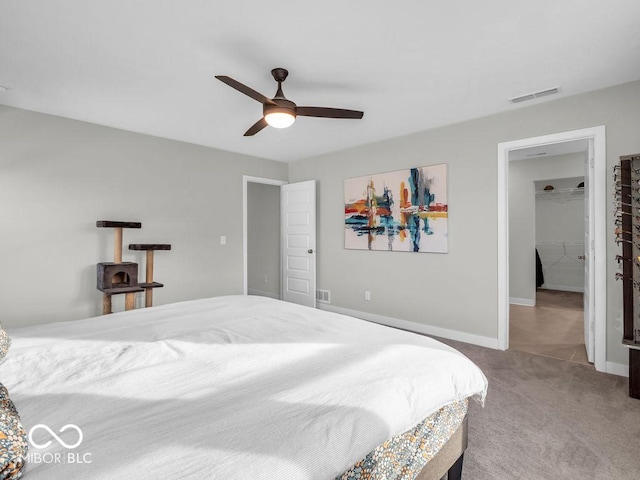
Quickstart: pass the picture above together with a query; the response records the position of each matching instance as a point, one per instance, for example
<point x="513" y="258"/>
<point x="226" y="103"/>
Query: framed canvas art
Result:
<point x="404" y="210"/>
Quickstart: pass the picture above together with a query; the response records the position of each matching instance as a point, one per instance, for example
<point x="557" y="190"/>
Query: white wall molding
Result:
<point x="415" y="327"/>
<point x="525" y="302"/>
<point x="617" y="369"/>
<point x="488" y="342"/>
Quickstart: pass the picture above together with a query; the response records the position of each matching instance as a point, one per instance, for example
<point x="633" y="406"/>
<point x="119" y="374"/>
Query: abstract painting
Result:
<point x="399" y="211"/>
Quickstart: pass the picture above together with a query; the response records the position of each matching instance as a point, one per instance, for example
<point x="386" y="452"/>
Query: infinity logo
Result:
<point x="52" y="433"/>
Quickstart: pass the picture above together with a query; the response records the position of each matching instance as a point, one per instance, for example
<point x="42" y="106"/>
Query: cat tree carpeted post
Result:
<point x="149" y="284"/>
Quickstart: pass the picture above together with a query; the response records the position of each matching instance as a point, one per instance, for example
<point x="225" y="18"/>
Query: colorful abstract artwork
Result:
<point x="399" y="211"/>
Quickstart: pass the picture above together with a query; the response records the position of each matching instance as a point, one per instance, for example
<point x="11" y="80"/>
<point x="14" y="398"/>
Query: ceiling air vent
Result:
<point x="531" y="96"/>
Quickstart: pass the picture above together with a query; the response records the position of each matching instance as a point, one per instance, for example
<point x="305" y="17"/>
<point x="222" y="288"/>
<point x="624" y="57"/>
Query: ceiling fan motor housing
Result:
<point x="281" y="106"/>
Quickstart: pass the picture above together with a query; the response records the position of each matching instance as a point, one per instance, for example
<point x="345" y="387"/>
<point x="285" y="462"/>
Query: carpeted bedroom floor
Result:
<point x="550" y="419"/>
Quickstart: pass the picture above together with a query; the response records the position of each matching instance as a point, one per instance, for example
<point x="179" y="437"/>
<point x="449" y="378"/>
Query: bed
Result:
<point x="238" y="387"/>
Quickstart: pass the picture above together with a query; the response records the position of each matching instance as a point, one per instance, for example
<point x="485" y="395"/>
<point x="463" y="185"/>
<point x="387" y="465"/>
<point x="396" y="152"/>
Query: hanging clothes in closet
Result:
<point x="539" y="272"/>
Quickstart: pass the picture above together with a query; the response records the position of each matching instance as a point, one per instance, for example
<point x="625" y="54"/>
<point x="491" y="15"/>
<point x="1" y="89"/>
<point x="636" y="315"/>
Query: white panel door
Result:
<point x="298" y="230"/>
<point x="589" y="280"/>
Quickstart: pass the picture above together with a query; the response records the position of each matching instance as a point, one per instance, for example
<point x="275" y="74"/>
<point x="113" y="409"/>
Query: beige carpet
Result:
<point x="553" y="328"/>
<point x="550" y="419"/>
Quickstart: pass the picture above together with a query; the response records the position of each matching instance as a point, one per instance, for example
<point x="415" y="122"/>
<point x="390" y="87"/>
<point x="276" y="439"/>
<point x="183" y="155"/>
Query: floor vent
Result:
<point x="531" y="96"/>
<point x="323" y="296"/>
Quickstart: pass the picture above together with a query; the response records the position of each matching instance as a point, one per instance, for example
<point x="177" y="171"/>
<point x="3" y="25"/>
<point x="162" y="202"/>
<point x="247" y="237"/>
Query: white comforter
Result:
<point x="223" y="388"/>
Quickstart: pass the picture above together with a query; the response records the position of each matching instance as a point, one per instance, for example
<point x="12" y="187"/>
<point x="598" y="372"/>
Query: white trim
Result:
<point x="261" y="293"/>
<point x="503" y="248"/>
<point x="414" y="327"/>
<point x="597" y="186"/>
<point x="618" y="369"/>
<point x="599" y="241"/>
<point x="562" y="288"/>
<point x="525" y="302"/>
<point x="246" y="179"/>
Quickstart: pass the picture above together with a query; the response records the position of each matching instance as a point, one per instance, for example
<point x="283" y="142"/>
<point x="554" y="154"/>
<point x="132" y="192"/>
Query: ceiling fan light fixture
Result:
<point x="279" y="112"/>
<point x="280" y="118"/>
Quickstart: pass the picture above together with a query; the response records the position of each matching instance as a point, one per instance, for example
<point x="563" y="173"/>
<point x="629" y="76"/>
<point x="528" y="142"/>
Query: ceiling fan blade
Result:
<point x="244" y="89"/>
<point x="327" y="112"/>
<point x="256" y="127"/>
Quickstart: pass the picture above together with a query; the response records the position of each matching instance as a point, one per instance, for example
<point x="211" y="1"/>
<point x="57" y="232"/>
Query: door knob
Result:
<point x="310" y="250"/>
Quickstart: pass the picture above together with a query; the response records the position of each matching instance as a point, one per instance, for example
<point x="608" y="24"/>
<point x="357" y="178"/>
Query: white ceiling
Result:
<point x="549" y="150"/>
<point x="148" y="65"/>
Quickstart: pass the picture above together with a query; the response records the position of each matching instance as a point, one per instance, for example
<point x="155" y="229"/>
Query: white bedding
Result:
<point x="224" y="388"/>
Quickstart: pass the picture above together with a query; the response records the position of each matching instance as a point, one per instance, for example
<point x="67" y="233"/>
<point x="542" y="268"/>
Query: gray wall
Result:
<point x="522" y="215"/>
<point x="58" y="176"/>
<point x="263" y="239"/>
<point x="458" y="290"/>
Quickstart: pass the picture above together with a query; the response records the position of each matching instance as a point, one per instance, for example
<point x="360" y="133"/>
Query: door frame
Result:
<point x="598" y="239"/>
<point x="246" y="179"/>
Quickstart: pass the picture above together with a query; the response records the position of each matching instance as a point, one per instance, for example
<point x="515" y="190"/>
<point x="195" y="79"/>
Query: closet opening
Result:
<point x="554" y="326"/>
<point x="517" y="237"/>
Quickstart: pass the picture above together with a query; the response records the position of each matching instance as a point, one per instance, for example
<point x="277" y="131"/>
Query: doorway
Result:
<point x="263" y="240"/>
<point x="261" y="236"/>
<point x="595" y="234"/>
<point x="547" y="254"/>
<point x="286" y="213"/>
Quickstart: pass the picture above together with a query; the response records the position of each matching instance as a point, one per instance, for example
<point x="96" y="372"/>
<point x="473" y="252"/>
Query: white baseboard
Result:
<point x="253" y="291"/>
<point x="611" y="367"/>
<point x="525" y="302"/>
<point x="617" y="369"/>
<point x="562" y="288"/>
<point x="415" y="327"/>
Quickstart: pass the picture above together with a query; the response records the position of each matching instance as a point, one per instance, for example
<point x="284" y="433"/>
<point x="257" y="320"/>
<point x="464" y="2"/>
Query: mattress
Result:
<point x="230" y="387"/>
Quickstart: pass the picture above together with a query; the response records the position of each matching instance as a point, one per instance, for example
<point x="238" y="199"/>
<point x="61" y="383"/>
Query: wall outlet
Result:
<point x="367" y="295"/>
<point x="223" y="239"/>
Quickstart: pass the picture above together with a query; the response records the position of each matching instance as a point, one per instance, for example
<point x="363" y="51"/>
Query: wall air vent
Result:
<point x="534" y="95"/>
<point x="323" y="296"/>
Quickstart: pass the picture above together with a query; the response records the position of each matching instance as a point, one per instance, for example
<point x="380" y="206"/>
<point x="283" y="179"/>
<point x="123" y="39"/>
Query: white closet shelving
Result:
<point x="561" y="195"/>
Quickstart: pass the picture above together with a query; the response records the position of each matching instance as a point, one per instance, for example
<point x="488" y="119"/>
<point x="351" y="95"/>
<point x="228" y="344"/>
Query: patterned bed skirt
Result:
<point x="13" y="439"/>
<point x="403" y="456"/>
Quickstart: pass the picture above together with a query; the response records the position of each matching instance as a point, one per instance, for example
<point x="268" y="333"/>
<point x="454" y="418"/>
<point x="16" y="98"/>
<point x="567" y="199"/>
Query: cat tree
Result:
<point x="118" y="277"/>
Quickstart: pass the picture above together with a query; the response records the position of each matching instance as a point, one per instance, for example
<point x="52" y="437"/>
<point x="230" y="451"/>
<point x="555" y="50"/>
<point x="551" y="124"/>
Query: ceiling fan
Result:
<point x="279" y="112"/>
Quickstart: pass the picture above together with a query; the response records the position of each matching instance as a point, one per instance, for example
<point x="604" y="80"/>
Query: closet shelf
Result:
<point x="561" y="195"/>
